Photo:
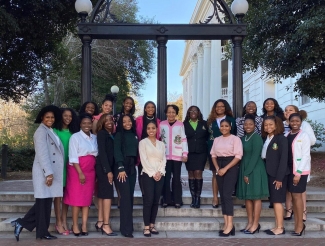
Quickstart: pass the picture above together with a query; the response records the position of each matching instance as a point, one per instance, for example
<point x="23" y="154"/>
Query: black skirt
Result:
<point x="196" y="161"/>
<point x="105" y="189"/>
<point x="277" y="196"/>
<point x="301" y="186"/>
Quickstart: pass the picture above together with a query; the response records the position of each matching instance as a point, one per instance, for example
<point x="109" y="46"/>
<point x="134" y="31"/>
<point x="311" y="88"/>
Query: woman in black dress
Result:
<point x="104" y="172"/>
<point x="271" y="107"/>
<point x="197" y="134"/>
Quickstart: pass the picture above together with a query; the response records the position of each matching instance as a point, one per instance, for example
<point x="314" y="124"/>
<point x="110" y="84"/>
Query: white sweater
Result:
<point x="153" y="158"/>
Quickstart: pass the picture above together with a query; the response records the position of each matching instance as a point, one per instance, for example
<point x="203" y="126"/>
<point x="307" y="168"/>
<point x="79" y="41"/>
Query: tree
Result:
<point x="286" y="38"/>
<point x="177" y="99"/>
<point x="30" y="32"/>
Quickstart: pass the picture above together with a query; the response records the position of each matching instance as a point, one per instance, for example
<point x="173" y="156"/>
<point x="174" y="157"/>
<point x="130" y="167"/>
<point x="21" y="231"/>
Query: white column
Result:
<point x="206" y="78"/>
<point x="184" y="97"/>
<point x="194" y="80"/>
<point x="189" y="89"/>
<point x="216" y="76"/>
<point x="199" y="89"/>
<point x="230" y="89"/>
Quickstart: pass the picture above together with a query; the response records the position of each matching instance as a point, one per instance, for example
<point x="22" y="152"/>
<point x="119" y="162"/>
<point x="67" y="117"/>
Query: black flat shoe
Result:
<point x="165" y="205"/>
<point x="215" y="206"/>
<point x="177" y="206"/>
<point x="243" y="206"/>
<point x="17" y="230"/>
<point x="128" y="235"/>
<point x="49" y="237"/>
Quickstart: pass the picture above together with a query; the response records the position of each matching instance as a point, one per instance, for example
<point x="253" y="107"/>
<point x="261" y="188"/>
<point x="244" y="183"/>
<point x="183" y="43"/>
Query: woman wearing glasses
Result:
<point x="197" y="134"/>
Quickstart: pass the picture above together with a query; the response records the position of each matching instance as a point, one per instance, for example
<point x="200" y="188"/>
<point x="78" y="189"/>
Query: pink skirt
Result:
<point x="77" y="194"/>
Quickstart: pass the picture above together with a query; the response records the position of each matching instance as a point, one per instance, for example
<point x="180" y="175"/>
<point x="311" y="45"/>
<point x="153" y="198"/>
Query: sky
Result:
<point x="167" y="12"/>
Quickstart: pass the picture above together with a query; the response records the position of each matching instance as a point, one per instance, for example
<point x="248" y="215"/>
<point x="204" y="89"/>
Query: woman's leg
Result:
<point x="191" y="184"/>
<point x="75" y="213"/>
<point x="57" y="211"/>
<point x="148" y="200"/>
<point x="250" y="211"/>
<point x="158" y="185"/>
<point x="106" y="215"/>
<point x="215" y="200"/>
<point x="304" y="201"/>
<point x="230" y="224"/>
<point x="288" y="207"/>
<point x="64" y="215"/>
<point x="176" y="182"/>
<point x="140" y="178"/>
<point x="85" y="212"/>
<point x="118" y="193"/>
<point x="278" y="212"/>
<point x="298" y="207"/>
<point x="257" y="207"/>
<point x="101" y="211"/>
<point x="166" y="190"/>
<point x="199" y="184"/>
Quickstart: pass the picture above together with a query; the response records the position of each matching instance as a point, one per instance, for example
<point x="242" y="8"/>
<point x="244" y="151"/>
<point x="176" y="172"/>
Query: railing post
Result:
<point x="4" y="153"/>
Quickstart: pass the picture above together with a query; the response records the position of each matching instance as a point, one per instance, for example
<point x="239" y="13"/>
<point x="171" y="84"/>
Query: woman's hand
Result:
<point x="122" y="176"/>
<point x="49" y="180"/>
<point x="82" y="178"/>
<point x="296" y="180"/>
<point x="246" y="180"/>
<point x="110" y="177"/>
<point x="157" y="176"/>
<point x="278" y="184"/>
<point x="222" y="171"/>
<point x="184" y="158"/>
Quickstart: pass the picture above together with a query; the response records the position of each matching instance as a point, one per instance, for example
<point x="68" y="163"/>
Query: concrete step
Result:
<point x="184" y="224"/>
<point x="9" y="208"/>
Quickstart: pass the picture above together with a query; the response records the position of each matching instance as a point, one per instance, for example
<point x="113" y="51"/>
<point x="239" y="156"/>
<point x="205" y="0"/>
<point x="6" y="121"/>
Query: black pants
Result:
<point x="226" y="184"/>
<point x="38" y="216"/>
<point x="126" y="203"/>
<point x="173" y="167"/>
<point x="152" y="191"/>
<point x="140" y="177"/>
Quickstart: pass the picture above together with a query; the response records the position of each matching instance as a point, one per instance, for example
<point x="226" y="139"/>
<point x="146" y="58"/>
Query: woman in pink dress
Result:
<point x="81" y="173"/>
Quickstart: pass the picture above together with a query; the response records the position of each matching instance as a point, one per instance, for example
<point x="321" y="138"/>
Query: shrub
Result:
<point x="319" y="131"/>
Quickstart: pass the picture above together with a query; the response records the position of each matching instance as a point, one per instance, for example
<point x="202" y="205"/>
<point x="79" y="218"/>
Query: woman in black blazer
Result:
<point x="197" y="134"/>
<point x="104" y="172"/>
<point x="275" y="154"/>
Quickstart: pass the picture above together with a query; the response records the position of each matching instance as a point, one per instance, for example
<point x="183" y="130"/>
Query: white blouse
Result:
<point x="266" y="144"/>
<point x="80" y="144"/>
<point x="153" y="158"/>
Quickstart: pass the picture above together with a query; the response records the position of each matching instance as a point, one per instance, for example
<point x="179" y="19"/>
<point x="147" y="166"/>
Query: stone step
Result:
<point x="206" y="197"/>
<point x="183" y="224"/>
<point x="12" y="208"/>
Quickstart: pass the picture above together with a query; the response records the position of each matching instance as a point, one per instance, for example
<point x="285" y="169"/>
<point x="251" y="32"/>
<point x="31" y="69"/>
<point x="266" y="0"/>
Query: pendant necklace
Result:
<point x="249" y="137"/>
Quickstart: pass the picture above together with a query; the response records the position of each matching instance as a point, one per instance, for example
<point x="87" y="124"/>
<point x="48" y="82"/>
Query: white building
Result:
<point x="206" y="78"/>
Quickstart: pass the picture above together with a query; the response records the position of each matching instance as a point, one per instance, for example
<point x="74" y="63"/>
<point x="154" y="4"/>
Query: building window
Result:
<point x="246" y="96"/>
<point x="305" y="99"/>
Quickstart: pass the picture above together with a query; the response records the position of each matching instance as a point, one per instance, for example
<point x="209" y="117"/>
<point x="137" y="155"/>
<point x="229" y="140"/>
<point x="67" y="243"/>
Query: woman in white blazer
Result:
<point x="306" y="127"/>
<point x="47" y="175"/>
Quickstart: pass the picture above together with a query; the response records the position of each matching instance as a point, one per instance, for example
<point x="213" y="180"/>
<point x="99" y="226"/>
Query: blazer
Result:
<point x="197" y="139"/>
<point x="49" y="159"/>
<point x="105" y="156"/>
<point x="277" y="157"/>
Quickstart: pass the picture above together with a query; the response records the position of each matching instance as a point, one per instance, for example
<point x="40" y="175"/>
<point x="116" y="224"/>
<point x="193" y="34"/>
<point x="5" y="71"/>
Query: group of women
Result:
<point x="79" y="157"/>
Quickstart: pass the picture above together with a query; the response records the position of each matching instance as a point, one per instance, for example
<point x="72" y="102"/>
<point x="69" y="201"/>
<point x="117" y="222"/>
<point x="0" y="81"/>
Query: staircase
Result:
<point x="14" y="204"/>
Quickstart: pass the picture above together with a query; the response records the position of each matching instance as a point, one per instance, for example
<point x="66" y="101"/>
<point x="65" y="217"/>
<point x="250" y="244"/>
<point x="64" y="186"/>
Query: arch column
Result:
<point x="86" y="69"/>
<point x="216" y="76"/>
<point x="194" y="79"/>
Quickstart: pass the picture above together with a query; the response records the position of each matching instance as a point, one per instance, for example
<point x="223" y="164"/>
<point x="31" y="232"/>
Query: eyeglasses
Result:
<point x="193" y="111"/>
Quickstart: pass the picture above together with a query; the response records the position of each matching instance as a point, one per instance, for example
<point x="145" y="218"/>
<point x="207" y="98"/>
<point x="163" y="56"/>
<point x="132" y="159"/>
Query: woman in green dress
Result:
<point x="65" y="128"/>
<point x="252" y="183"/>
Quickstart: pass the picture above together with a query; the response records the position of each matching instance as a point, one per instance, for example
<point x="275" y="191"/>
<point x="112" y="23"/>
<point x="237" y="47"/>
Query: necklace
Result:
<point x="150" y="118"/>
<point x="291" y="133"/>
<point x="153" y="142"/>
<point x="249" y="137"/>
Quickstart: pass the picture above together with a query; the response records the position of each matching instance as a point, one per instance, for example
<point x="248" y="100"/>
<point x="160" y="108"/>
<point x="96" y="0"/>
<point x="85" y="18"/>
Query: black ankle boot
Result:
<point x="199" y="183"/>
<point x="191" y="184"/>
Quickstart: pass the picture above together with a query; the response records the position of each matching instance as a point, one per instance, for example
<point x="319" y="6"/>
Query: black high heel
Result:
<point x="305" y="213"/>
<point x="108" y="234"/>
<point x="291" y="213"/>
<point x="76" y="234"/>
<point x="232" y="233"/>
<point x="97" y="227"/>
<point x="17" y="230"/>
<point x="299" y="234"/>
<point x="253" y="232"/>
<point x="269" y="232"/>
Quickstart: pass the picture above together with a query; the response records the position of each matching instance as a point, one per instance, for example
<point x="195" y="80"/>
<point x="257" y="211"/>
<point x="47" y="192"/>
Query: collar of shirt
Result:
<point x="85" y="136"/>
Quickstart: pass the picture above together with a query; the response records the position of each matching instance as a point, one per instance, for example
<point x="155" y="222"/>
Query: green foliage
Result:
<point x="286" y="38"/>
<point x="319" y="131"/>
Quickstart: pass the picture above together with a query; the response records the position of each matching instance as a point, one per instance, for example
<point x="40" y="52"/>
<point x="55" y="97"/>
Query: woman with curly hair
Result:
<point x="272" y="107"/>
<point x="89" y="108"/>
<point x="220" y="110"/>
<point x="68" y="125"/>
<point x="197" y="134"/>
